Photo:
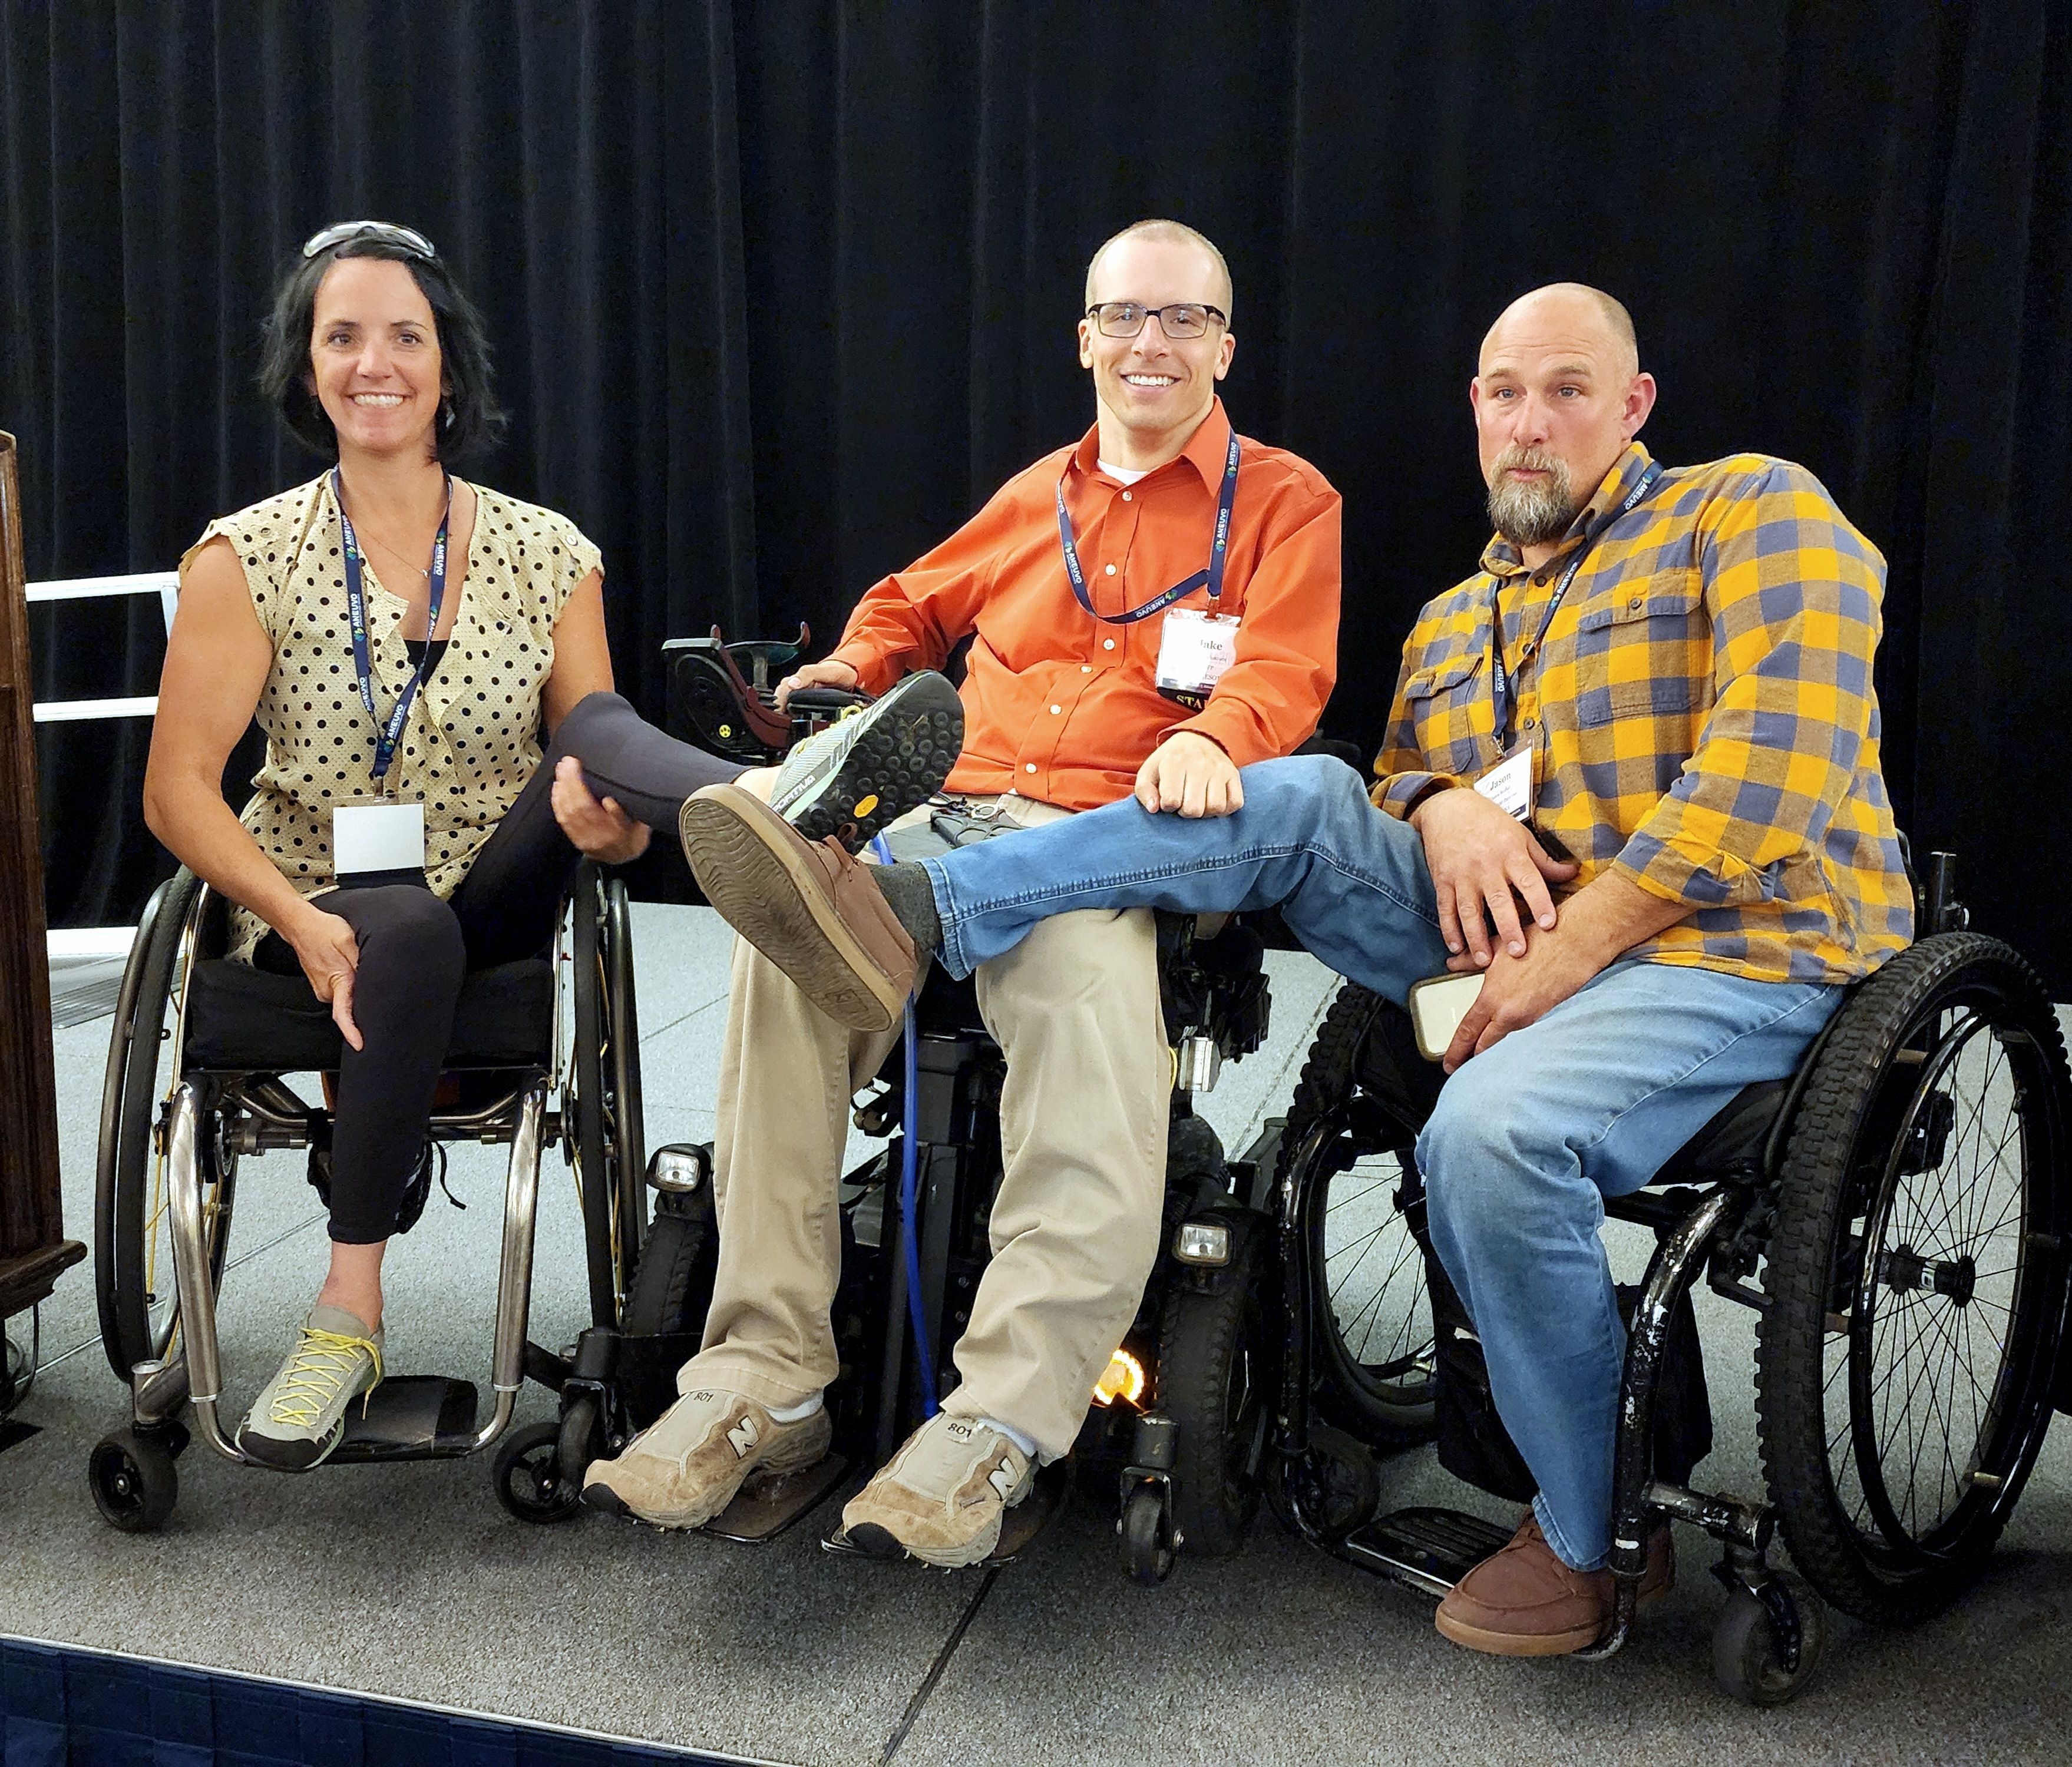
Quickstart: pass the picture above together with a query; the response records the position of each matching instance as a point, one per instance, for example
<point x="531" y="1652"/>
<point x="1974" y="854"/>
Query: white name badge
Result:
<point x="1508" y="785"/>
<point x="1194" y="649"/>
<point x="369" y="836"/>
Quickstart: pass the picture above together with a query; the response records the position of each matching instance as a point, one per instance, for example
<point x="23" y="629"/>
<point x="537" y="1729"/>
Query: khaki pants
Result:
<point x="1075" y="1226"/>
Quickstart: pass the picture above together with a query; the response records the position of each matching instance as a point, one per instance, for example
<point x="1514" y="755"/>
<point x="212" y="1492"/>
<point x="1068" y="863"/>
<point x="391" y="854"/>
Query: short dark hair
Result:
<point x="470" y="417"/>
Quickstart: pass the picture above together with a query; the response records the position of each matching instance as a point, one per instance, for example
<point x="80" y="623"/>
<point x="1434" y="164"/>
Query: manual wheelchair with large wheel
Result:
<point x="197" y="1079"/>
<point x="1898" y="1214"/>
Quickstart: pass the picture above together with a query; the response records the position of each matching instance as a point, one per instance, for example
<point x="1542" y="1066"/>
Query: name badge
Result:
<point x="377" y="836"/>
<point x="1194" y="649"/>
<point x="1508" y="785"/>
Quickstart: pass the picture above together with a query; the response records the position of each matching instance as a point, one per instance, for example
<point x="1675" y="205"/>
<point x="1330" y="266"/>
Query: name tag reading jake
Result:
<point x="1194" y="649"/>
<point x="374" y="834"/>
<point x="1508" y="785"/>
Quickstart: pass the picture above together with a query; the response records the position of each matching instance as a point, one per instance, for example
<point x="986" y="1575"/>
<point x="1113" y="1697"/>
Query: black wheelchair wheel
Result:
<point x="1917" y="1278"/>
<point x="1214" y="1382"/>
<point x="672" y="1282"/>
<point x="604" y="1082"/>
<point x="133" y="1481"/>
<point x="134" y="1284"/>
<point x="1148" y="1548"/>
<point x="528" y="1478"/>
<point x="1372" y="1337"/>
<point x="1753" y="1661"/>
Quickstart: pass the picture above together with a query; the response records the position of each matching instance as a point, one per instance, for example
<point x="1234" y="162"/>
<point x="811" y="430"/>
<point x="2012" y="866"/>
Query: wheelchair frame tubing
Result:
<point x="589" y="1074"/>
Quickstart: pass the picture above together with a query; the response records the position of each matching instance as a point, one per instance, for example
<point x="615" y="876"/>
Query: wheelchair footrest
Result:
<point x="1021" y="1524"/>
<point x="770" y="1502"/>
<point x="410" y="1417"/>
<point x="1426" y="1549"/>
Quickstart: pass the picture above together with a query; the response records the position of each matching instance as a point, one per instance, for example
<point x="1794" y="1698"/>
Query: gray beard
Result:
<point x="1533" y="515"/>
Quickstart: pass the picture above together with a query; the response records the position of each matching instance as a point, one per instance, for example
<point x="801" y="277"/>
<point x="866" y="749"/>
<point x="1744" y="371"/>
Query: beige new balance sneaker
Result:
<point x="942" y="1496"/>
<point x="687" y="1466"/>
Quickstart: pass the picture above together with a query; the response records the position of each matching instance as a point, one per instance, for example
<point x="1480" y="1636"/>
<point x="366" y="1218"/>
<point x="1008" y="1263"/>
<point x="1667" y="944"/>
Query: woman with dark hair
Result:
<point x="402" y="637"/>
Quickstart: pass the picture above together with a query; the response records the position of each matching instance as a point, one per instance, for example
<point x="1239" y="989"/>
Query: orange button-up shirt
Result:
<point x="1063" y="706"/>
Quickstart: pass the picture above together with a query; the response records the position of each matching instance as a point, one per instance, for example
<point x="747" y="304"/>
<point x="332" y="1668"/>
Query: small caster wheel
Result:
<point x="134" y="1484"/>
<point x="1149" y="1543"/>
<point x="580" y="1441"/>
<point x="528" y="1478"/>
<point x="1755" y="1659"/>
<point x="1348" y="1483"/>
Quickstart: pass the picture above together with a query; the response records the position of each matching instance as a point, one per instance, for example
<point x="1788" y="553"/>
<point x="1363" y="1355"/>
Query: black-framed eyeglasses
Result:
<point x="1181" y="319"/>
<point x="409" y="239"/>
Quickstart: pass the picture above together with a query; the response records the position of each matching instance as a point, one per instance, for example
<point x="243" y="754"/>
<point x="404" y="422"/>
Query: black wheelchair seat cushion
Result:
<point x="249" y="1020"/>
<point x="1731" y="1144"/>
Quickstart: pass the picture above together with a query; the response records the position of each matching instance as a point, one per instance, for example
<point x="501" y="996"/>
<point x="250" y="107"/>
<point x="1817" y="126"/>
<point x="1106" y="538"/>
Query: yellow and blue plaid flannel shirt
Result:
<point x="1701" y="711"/>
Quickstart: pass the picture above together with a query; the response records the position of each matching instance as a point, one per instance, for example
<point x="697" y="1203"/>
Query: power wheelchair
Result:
<point x="1898" y="1214"/>
<point x="196" y="1080"/>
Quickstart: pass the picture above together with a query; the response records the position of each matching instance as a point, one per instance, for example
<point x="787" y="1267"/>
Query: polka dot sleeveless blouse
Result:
<point x="473" y="738"/>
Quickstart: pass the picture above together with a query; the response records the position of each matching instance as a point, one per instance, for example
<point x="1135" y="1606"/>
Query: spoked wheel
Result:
<point x="1373" y="1343"/>
<point x="527" y="1476"/>
<point x="1213" y="1381"/>
<point x="133" y="1219"/>
<point x="1372" y="1337"/>
<point x="1918" y="1277"/>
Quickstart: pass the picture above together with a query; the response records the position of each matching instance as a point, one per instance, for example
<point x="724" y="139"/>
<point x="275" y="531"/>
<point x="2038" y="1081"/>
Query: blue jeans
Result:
<point x="1529" y="1138"/>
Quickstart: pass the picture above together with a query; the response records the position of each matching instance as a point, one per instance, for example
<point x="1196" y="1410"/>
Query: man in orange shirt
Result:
<point x="1150" y="609"/>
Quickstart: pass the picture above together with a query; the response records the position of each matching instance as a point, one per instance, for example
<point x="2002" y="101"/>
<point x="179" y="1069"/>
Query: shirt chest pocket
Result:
<point x="1442" y="700"/>
<point x="1645" y="652"/>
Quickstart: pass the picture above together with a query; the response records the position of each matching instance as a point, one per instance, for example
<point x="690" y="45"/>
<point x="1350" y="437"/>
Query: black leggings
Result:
<point x="415" y="949"/>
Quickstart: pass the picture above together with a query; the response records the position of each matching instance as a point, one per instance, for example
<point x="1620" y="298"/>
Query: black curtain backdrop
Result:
<point x="782" y="290"/>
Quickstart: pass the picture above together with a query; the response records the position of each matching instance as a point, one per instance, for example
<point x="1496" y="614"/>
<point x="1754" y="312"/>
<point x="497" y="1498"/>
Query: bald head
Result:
<point x="1163" y="233"/>
<point x="1575" y="307"/>
<point x="1558" y="396"/>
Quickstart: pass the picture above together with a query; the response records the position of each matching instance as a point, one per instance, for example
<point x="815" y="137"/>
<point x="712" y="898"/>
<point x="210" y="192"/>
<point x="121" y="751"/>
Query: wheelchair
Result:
<point x="197" y="1080"/>
<point x="1177" y="1426"/>
<point x="1899" y="1215"/>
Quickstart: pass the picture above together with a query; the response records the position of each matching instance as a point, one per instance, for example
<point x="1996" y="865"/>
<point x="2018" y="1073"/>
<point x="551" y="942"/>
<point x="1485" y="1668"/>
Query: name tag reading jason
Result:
<point x="1508" y="785"/>
<point x="1195" y="650"/>
<point x="372" y="836"/>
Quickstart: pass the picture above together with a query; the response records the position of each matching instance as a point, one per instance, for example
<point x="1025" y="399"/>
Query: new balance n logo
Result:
<point x="743" y="1437"/>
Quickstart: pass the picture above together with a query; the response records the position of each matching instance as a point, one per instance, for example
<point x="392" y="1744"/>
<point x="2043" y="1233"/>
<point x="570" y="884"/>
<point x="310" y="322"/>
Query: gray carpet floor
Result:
<point x="410" y="1581"/>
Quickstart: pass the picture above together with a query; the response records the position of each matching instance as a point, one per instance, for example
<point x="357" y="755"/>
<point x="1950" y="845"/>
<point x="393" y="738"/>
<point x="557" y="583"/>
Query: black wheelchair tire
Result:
<point x="1148" y="1549"/>
<point x="672" y="1282"/>
<point x="1214" y="1382"/>
<point x="527" y="1477"/>
<point x="134" y="1482"/>
<point x="604" y="1073"/>
<point x="1746" y="1663"/>
<point x="1382" y="1413"/>
<point x="128" y="1117"/>
<point x="1836" y="1171"/>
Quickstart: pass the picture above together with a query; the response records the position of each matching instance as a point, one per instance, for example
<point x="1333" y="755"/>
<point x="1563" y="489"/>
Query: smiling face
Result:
<point x="1153" y="390"/>
<point x="374" y="364"/>
<point x="1557" y="397"/>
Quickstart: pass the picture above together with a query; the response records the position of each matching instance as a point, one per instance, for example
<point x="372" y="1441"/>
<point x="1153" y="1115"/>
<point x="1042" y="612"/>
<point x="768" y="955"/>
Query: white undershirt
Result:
<point x="1123" y="473"/>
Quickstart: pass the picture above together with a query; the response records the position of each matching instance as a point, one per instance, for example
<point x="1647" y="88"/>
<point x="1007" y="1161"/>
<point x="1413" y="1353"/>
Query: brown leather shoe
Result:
<point x="807" y="906"/>
<point x="1524" y="1602"/>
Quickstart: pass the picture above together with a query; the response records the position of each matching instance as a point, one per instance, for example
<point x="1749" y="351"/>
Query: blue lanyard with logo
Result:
<point x="1504" y="683"/>
<point x="1212" y="577"/>
<point x="391" y="732"/>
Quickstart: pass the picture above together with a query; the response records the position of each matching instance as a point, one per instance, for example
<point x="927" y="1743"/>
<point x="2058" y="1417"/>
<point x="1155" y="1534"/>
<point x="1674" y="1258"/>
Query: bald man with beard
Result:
<point x="1631" y="778"/>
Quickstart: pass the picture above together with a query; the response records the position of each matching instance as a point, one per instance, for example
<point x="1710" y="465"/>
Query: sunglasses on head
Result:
<point x="408" y="238"/>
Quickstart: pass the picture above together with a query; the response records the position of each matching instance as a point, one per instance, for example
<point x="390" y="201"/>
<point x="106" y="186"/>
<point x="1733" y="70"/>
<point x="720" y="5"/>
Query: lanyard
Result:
<point x="1213" y="576"/>
<point x="1504" y="683"/>
<point x="391" y="733"/>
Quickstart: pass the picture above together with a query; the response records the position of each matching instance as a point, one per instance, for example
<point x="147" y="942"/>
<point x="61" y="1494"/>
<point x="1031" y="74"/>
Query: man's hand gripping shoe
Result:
<point x="689" y="1464"/>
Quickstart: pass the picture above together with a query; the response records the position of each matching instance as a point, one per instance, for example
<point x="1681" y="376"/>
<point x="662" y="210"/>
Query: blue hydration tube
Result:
<point x="909" y="1112"/>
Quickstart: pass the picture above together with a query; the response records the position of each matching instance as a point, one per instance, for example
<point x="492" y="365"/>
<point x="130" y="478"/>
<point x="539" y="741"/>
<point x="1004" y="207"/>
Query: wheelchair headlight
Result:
<point x="1203" y="1242"/>
<point x="1123" y="1379"/>
<point x="677" y="1168"/>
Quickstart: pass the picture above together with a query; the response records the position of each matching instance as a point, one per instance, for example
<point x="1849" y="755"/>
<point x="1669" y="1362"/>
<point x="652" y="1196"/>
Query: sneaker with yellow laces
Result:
<point x="300" y="1417"/>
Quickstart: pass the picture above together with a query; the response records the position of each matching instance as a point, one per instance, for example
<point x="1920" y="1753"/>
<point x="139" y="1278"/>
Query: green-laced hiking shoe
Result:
<point x="300" y="1417"/>
<point x="873" y="764"/>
